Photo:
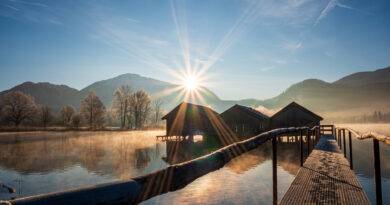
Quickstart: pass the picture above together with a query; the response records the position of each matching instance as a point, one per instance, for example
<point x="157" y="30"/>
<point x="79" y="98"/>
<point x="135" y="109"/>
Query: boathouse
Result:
<point x="295" y="115"/>
<point x="188" y="120"/>
<point x="245" y="121"/>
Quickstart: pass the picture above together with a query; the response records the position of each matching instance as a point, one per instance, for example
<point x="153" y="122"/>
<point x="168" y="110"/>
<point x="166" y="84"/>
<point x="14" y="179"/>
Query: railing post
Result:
<point x="308" y="142"/>
<point x="274" y="171"/>
<point x="333" y="130"/>
<point x="344" y="144"/>
<point x="319" y="133"/>
<point x="301" y="147"/>
<point x="338" y="137"/>
<point x="350" y="149"/>
<point x="377" y="167"/>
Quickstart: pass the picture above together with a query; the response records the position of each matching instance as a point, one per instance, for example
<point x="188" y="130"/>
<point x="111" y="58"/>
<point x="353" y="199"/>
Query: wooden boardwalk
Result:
<point x="325" y="178"/>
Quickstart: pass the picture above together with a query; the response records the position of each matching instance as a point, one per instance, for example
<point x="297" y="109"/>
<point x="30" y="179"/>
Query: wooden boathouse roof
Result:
<point x="300" y="107"/>
<point x="189" y="106"/>
<point x="250" y="111"/>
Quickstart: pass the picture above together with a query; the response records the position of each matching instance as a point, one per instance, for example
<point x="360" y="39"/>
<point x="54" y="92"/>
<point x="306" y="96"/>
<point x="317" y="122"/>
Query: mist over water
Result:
<point x="60" y="161"/>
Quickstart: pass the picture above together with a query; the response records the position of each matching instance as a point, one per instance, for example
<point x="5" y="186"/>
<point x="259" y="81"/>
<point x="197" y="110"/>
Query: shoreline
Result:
<point x="10" y="130"/>
<point x="31" y="136"/>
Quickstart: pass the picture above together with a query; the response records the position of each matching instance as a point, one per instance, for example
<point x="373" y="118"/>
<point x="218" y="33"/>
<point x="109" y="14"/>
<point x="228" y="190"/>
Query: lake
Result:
<point x="43" y="162"/>
<point x="35" y="163"/>
<point x="362" y="151"/>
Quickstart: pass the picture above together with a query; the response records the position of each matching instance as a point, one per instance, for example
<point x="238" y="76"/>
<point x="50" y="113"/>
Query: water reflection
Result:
<point x="247" y="179"/>
<point x="70" y="161"/>
<point x="364" y="167"/>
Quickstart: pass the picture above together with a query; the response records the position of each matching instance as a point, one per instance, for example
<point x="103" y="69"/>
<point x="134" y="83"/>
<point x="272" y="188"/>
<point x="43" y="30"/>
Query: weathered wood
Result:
<point x="325" y="178"/>
<point x="377" y="171"/>
<point x="326" y="128"/>
<point x="239" y="117"/>
<point x="274" y="171"/>
<point x="344" y="144"/>
<point x="301" y="147"/>
<point x="350" y="149"/>
<point x="295" y="115"/>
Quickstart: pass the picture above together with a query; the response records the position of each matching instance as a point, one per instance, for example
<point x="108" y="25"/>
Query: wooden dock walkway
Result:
<point x="325" y="178"/>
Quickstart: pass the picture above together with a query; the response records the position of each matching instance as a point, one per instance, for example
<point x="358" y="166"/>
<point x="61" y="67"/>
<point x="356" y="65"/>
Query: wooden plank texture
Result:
<point x="325" y="178"/>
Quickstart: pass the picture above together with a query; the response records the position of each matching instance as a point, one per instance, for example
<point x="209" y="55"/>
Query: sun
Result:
<point x="191" y="83"/>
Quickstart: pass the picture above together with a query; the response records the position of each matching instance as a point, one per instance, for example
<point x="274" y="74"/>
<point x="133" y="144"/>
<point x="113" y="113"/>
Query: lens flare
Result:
<point x="191" y="83"/>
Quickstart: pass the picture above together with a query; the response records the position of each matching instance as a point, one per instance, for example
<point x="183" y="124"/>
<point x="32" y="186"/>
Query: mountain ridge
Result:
<point x="357" y="90"/>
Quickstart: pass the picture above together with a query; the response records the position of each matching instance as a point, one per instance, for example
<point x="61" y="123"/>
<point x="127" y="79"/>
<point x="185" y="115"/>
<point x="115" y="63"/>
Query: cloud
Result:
<point x="11" y="7"/>
<point x="132" y="20"/>
<point x="332" y="4"/>
<point x="28" y="11"/>
<point x="292" y="46"/>
<point x="135" y="40"/>
<point x="288" y="12"/>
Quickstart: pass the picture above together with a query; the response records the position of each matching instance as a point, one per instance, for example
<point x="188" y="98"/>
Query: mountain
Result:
<point x="361" y="93"/>
<point x="57" y="96"/>
<point x="105" y="89"/>
<point x="380" y="76"/>
<point x="356" y="94"/>
<point x="48" y="94"/>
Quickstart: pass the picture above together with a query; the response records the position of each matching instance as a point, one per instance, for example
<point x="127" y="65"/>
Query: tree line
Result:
<point x="129" y="110"/>
<point x="375" y="117"/>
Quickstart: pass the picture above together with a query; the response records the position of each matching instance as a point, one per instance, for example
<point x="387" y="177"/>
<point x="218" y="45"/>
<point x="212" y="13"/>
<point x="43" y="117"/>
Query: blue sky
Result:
<point x="246" y="48"/>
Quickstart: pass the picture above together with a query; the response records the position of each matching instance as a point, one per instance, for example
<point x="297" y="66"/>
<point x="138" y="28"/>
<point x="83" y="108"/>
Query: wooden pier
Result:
<point x="325" y="178"/>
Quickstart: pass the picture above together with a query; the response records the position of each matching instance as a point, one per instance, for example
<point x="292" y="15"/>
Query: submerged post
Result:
<point x="350" y="149"/>
<point x="377" y="170"/>
<point x="301" y="147"/>
<point x="274" y="171"/>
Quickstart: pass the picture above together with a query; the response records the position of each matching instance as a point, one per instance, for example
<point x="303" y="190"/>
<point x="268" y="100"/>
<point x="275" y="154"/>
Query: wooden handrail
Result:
<point x="376" y="154"/>
<point x="371" y="135"/>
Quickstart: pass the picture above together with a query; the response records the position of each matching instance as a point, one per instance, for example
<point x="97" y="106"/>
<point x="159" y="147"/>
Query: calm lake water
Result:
<point x="362" y="151"/>
<point x="60" y="161"/>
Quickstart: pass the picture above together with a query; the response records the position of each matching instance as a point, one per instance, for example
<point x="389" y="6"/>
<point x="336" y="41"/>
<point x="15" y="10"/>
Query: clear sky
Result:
<point x="246" y="48"/>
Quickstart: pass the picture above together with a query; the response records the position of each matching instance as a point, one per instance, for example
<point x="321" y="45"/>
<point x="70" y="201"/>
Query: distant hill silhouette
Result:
<point x="49" y="94"/>
<point x="57" y="96"/>
<point x="360" y="92"/>
<point x="363" y="91"/>
<point x="379" y="76"/>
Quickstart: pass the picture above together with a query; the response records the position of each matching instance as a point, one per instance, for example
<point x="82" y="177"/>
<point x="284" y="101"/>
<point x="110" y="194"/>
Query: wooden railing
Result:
<point x="327" y="129"/>
<point x="340" y="138"/>
<point x="175" y="176"/>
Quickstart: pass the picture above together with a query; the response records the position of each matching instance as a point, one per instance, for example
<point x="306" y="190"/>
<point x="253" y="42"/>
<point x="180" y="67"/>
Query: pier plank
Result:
<point x="325" y="178"/>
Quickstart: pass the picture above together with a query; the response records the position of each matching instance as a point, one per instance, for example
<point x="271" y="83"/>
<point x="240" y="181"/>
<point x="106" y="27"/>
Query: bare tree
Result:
<point x="45" y="115"/>
<point x="76" y="120"/>
<point x="93" y="110"/>
<point x="18" y="107"/>
<point x="141" y="108"/>
<point x="121" y="103"/>
<point x="110" y="116"/>
<point x="66" y="114"/>
<point x="157" y="111"/>
<point x="130" y="114"/>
